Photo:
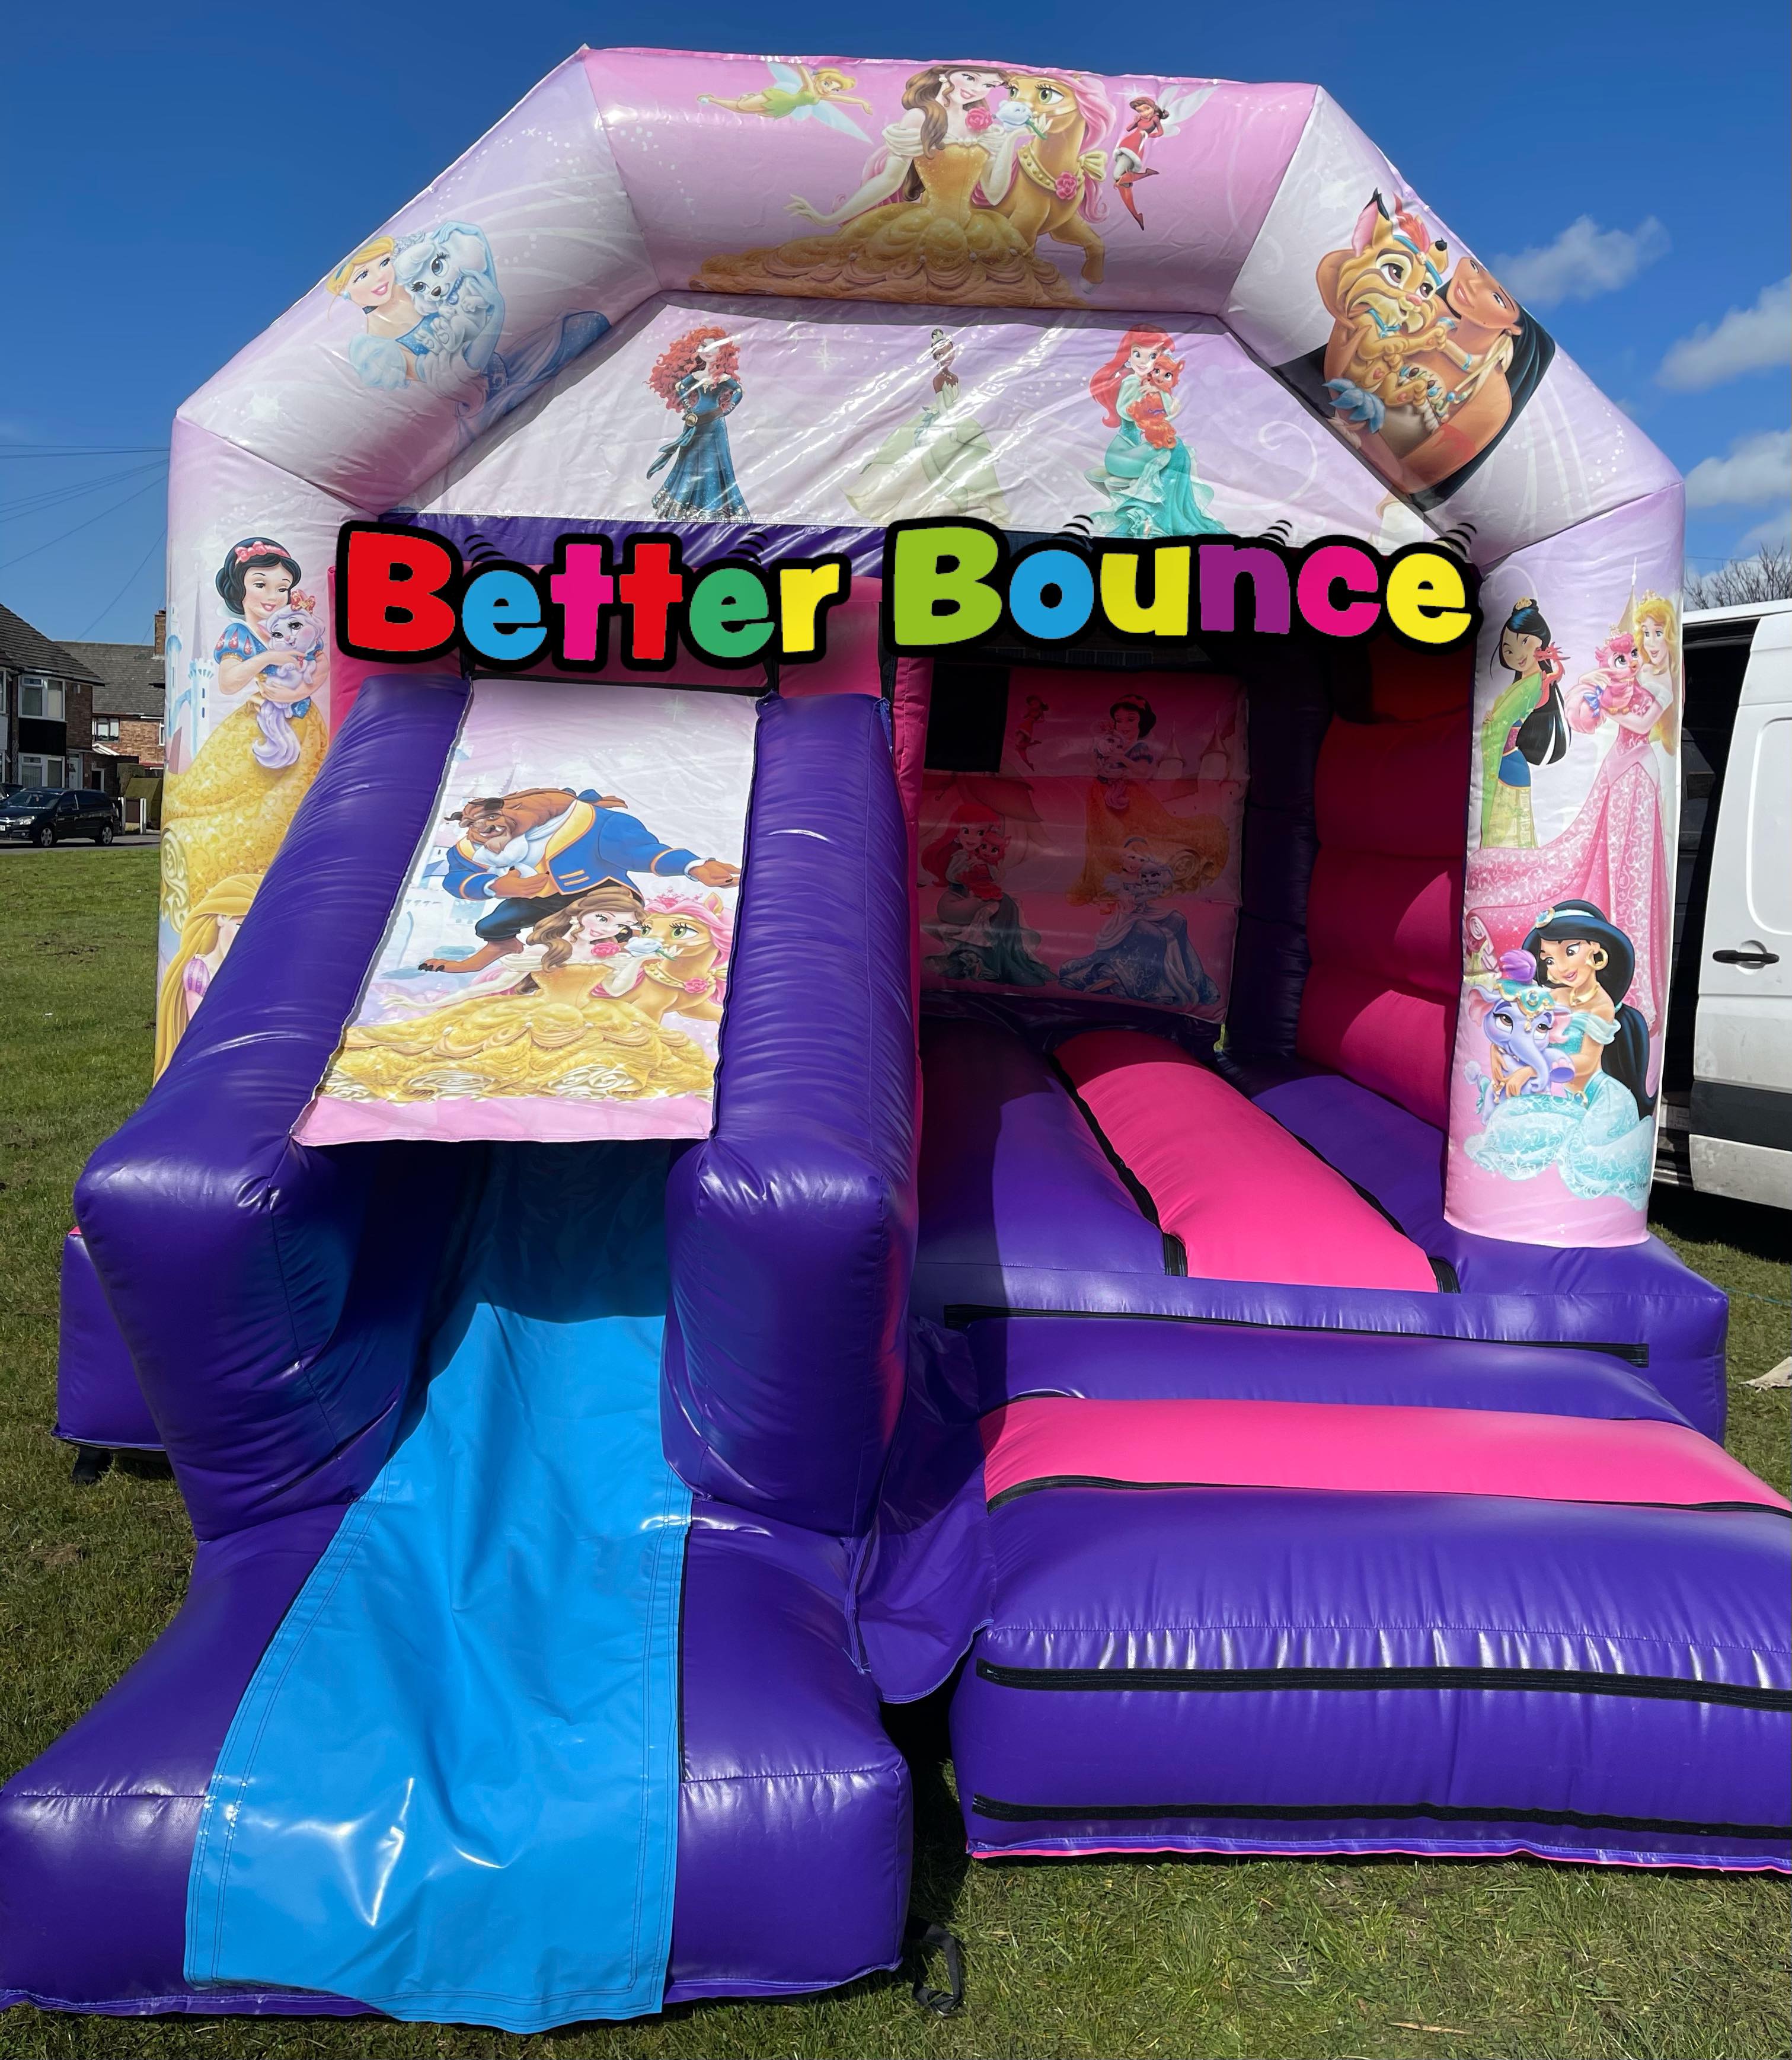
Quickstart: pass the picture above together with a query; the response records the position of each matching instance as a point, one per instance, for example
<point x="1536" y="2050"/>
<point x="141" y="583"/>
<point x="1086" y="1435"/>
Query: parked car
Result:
<point x="1727" y="1077"/>
<point x="44" y="815"/>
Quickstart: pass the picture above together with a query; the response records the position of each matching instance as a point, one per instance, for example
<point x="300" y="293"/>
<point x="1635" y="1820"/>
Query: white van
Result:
<point x="1726" y="1099"/>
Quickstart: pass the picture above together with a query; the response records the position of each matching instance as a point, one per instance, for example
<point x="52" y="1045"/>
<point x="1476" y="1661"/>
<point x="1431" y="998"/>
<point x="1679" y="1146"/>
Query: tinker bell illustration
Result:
<point x="1153" y="122"/>
<point x="797" y="91"/>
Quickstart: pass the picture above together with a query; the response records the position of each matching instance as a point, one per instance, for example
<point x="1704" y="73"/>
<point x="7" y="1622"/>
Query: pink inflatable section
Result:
<point x="1367" y="1448"/>
<point x="1248" y="1200"/>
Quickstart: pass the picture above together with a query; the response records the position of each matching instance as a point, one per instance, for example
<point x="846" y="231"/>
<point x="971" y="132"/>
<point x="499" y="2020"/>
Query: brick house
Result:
<point x="46" y="710"/>
<point x="128" y="702"/>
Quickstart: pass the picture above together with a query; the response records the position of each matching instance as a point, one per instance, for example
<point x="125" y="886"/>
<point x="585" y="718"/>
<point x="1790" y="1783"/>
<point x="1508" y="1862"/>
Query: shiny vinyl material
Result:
<point x="451" y="1789"/>
<point x="1636" y="1664"/>
<point x="1296" y="1669"/>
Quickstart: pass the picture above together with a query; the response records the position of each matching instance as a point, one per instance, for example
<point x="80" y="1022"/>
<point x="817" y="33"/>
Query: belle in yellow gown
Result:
<point x="558" y="1034"/>
<point x="913" y="232"/>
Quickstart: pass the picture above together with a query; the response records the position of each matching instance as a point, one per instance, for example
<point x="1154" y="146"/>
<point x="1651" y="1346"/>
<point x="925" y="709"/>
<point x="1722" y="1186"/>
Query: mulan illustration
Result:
<point x="1588" y="1119"/>
<point x="1524" y="727"/>
<point x="697" y="375"/>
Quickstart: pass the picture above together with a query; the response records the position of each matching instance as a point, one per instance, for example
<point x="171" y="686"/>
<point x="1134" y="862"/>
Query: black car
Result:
<point x="44" y="816"/>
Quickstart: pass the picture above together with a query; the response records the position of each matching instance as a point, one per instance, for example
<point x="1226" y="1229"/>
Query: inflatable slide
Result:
<point x="780" y="1151"/>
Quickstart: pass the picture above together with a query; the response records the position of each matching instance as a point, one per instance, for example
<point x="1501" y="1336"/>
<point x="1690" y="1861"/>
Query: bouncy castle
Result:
<point x="1099" y="1172"/>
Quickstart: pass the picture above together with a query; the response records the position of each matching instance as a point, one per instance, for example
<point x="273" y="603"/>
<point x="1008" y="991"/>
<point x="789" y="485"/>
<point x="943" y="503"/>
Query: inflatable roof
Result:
<point x="1107" y="1183"/>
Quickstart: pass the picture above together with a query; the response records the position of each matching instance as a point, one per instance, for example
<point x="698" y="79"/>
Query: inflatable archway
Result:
<point x="601" y="1363"/>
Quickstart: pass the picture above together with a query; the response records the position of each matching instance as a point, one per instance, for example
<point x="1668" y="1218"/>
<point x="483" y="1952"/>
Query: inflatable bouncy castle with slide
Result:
<point x="725" y="1172"/>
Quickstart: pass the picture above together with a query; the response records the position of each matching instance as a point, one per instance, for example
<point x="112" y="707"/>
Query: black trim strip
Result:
<point x="1578" y="1820"/>
<point x="1524" y="1680"/>
<point x="1175" y="1253"/>
<point x="1285" y="1487"/>
<point x="960" y="1315"/>
<point x="1743" y="1115"/>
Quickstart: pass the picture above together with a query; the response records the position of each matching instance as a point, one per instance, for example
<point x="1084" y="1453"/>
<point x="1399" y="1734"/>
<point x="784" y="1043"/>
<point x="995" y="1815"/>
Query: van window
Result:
<point x="1715" y="660"/>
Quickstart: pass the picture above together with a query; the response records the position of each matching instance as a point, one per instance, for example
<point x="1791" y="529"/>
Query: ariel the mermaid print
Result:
<point x="1146" y="474"/>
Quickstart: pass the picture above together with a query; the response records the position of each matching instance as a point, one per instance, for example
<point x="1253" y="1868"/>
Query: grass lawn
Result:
<point x="1184" y="1958"/>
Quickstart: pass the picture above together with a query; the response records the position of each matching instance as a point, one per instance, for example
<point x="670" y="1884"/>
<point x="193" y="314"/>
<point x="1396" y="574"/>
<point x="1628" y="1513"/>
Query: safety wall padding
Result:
<point x="924" y="266"/>
<point x="1573" y="823"/>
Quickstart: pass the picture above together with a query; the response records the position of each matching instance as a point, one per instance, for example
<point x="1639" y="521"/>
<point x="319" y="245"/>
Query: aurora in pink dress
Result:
<point x="1612" y="854"/>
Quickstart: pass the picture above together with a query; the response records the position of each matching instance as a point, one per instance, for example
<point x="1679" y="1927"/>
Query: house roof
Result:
<point x="24" y="649"/>
<point x="129" y="678"/>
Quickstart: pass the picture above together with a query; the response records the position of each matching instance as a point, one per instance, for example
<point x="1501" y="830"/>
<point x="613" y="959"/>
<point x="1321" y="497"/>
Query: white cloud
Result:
<point x="1584" y="260"/>
<point x="1757" y="469"/>
<point x="1747" y="340"/>
<point x="1776" y="529"/>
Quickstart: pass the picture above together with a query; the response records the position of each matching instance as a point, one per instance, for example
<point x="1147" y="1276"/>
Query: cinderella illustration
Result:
<point x="1146" y="474"/>
<point x="697" y="375"/>
<point x="1142" y="952"/>
<point x="433" y="315"/>
<point x="939" y="462"/>
<point x="1589" y="1121"/>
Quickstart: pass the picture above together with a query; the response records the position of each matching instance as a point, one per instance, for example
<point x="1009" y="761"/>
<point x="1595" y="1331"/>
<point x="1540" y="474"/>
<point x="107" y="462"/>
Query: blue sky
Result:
<point x="179" y="174"/>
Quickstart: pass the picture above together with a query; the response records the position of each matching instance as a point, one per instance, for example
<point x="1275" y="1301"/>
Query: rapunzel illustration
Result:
<point x="206" y="937"/>
<point x="556" y="1031"/>
<point x="1586" y="1119"/>
<point x="1524" y="727"/>
<point x="939" y="462"/>
<point x="977" y="922"/>
<point x="697" y="375"/>
<point x="923" y="224"/>
<point x="227" y="812"/>
<point x="1146" y="474"/>
<point x="1612" y="855"/>
<point x="1125" y="810"/>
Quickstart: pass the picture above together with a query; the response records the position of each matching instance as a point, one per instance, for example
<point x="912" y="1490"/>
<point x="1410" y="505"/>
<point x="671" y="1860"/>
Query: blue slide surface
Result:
<point x="451" y="1789"/>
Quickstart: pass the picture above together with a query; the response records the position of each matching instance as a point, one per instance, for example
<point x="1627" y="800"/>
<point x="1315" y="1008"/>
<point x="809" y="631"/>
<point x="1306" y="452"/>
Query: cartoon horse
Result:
<point x="683" y="958"/>
<point x="1056" y="188"/>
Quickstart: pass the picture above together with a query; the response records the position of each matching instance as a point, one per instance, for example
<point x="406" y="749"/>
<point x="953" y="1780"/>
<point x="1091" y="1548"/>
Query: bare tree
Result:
<point x="1765" y="576"/>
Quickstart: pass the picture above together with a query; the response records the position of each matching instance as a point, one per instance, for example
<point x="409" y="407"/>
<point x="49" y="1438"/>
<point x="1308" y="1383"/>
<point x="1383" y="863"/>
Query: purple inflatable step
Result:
<point x="1245" y="1669"/>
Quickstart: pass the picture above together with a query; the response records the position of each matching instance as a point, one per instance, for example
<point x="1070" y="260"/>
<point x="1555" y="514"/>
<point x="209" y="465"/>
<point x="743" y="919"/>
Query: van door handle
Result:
<point x="1755" y="957"/>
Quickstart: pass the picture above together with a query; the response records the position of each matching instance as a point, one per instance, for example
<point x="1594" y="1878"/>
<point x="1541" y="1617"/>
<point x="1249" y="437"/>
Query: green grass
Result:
<point x="1178" y="1958"/>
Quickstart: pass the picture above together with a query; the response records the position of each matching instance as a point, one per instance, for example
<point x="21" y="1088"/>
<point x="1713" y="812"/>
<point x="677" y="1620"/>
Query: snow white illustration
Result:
<point x="227" y="812"/>
<point x="697" y="377"/>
